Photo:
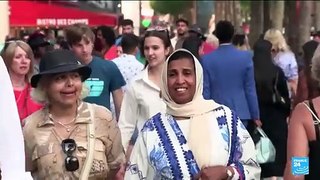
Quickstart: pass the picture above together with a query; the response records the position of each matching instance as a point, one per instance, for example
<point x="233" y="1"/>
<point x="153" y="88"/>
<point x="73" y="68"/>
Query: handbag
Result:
<point x="276" y="96"/>
<point x="265" y="150"/>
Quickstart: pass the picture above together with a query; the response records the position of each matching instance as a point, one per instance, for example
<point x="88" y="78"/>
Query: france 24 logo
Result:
<point x="300" y="165"/>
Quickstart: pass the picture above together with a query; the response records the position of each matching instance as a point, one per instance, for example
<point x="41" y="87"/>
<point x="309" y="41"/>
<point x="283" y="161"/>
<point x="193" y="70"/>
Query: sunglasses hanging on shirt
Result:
<point x="69" y="146"/>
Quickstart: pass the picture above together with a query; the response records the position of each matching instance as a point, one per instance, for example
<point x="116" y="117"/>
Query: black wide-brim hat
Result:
<point x="60" y="61"/>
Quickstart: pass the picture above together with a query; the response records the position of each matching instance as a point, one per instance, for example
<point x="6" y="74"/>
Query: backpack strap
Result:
<point x="91" y="142"/>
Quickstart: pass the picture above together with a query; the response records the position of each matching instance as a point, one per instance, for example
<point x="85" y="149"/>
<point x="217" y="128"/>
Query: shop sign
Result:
<point x="60" y="22"/>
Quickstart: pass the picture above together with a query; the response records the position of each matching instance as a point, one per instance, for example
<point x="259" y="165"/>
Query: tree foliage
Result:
<point x="245" y="6"/>
<point x="172" y="7"/>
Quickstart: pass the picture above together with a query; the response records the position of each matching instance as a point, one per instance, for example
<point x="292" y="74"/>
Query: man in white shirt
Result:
<point x="127" y="63"/>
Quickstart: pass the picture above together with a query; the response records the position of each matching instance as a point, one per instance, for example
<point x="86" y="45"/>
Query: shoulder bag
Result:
<point x="91" y="141"/>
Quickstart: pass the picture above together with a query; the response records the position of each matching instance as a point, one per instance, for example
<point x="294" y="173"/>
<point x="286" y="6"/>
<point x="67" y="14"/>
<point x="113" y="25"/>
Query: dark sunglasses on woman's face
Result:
<point x="69" y="146"/>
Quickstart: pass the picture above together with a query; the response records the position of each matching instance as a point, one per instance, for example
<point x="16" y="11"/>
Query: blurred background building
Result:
<point x="4" y="19"/>
<point x="29" y="15"/>
<point x="19" y="17"/>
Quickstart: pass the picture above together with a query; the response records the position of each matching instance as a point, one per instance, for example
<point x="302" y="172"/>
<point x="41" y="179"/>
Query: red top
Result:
<point x="111" y="53"/>
<point x="208" y="48"/>
<point x="25" y="104"/>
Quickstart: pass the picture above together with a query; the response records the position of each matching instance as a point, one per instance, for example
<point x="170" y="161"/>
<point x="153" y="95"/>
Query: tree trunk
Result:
<point x="193" y="12"/>
<point x="256" y="22"/>
<point x="277" y="14"/>
<point x="292" y="24"/>
<point x="218" y="10"/>
<point x="228" y="10"/>
<point x="223" y="10"/>
<point x="231" y="12"/>
<point x="266" y="16"/>
<point x="304" y="23"/>
<point x="237" y="15"/>
<point x="317" y="15"/>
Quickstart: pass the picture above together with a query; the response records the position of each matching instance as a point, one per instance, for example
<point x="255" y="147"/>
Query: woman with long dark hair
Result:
<point x="270" y="79"/>
<point x="142" y="97"/>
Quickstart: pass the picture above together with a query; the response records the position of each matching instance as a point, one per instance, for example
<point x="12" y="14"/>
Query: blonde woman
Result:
<point x="284" y="58"/>
<point x="18" y="58"/>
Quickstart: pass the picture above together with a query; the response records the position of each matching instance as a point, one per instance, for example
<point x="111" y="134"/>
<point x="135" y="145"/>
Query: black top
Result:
<point x="314" y="150"/>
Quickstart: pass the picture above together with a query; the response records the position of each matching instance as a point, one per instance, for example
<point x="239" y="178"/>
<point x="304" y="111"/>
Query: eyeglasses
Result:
<point x="71" y="162"/>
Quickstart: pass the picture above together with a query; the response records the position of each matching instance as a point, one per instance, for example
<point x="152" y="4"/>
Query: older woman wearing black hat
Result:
<point x="68" y="138"/>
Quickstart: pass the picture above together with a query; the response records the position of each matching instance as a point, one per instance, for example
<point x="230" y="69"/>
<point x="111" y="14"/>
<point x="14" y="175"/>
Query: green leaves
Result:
<point x="172" y="7"/>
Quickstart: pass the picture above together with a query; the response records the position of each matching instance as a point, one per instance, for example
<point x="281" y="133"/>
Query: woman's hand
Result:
<point x="214" y="173"/>
<point x="120" y="173"/>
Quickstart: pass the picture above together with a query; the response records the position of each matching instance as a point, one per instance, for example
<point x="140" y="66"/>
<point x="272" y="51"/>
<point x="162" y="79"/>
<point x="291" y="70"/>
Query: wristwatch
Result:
<point x="229" y="173"/>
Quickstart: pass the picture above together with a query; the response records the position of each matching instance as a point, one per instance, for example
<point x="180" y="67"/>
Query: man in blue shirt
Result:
<point x="105" y="77"/>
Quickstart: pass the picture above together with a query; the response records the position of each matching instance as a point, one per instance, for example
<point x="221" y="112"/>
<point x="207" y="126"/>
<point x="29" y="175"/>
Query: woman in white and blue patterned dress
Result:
<point x="195" y="138"/>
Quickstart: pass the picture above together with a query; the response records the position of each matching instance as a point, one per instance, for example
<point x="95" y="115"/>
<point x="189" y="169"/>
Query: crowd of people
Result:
<point x="91" y="105"/>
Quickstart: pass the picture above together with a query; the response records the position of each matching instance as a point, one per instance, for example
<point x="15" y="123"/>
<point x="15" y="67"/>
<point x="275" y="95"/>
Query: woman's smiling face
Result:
<point x="181" y="78"/>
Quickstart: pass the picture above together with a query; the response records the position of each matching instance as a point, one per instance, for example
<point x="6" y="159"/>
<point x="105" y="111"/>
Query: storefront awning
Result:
<point x="41" y="14"/>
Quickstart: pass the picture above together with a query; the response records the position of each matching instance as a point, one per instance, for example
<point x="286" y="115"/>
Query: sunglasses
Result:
<point x="71" y="162"/>
<point x="159" y="29"/>
<point x="7" y="43"/>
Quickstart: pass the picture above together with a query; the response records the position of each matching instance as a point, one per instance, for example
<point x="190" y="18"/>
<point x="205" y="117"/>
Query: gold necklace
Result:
<point x="66" y="125"/>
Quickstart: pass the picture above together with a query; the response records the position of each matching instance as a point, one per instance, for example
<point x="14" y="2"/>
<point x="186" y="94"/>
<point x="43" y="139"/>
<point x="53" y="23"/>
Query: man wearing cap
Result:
<point x="182" y="30"/>
<point x="38" y="44"/>
<point x="105" y="78"/>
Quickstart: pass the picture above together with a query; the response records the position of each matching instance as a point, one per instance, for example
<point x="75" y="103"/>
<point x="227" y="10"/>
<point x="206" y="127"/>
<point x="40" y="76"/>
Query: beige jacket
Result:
<point x="45" y="157"/>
